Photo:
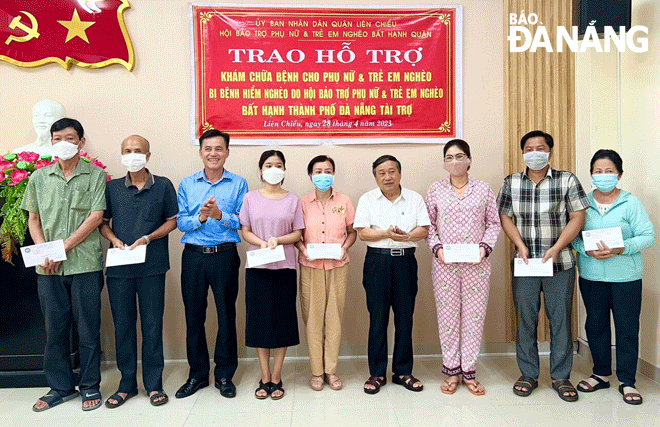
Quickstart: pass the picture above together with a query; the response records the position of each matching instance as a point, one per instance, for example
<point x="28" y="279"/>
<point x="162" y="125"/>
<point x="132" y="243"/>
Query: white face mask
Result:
<point x="65" y="150"/>
<point x="134" y="161"/>
<point x="273" y="175"/>
<point x="536" y="160"/>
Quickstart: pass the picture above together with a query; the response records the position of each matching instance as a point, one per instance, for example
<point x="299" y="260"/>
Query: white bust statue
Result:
<point x="44" y="114"/>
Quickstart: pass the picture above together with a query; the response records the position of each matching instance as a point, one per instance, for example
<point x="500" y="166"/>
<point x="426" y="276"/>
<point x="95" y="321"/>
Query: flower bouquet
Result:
<point x="15" y="171"/>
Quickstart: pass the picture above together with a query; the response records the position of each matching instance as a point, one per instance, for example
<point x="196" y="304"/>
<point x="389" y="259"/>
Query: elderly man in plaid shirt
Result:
<point x="542" y="210"/>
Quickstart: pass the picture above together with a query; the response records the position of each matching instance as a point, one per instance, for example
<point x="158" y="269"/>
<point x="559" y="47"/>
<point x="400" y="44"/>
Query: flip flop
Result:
<point x="53" y="398"/>
<point x="88" y="395"/>
<point x="120" y="400"/>
<point x="452" y="386"/>
<point x="473" y="387"/>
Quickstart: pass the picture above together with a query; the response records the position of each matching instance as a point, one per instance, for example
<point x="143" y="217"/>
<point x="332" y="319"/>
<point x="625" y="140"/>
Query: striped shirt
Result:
<point x="541" y="211"/>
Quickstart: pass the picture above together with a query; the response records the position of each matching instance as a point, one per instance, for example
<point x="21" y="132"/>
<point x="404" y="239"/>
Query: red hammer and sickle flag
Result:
<point x="88" y="33"/>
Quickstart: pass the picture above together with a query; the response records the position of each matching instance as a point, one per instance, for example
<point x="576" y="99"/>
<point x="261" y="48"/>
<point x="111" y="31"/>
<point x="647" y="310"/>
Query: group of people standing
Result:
<point x="541" y="210"/>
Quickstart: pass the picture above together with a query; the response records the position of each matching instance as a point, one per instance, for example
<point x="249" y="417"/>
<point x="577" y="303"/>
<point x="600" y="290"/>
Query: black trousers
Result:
<point x="219" y="271"/>
<point x="150" y="292"/>
<point x="390" y="281"/>
<point x="624" y="300"/>
<point x="61" y="297"/>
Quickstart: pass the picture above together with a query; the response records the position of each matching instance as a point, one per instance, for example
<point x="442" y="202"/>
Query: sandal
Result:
<point x="377" y="382"/>
<point x="265" y="387"/>
<point x="333" y="381"/>
<point x="154" y="399"/>
<point x="564" y="386"/>
<point x="628" y="397"/>
<point x="53" y="398"/>
<point x="585" y="387"/>
<point x="274" y="388"/>
<point x="451" y="386"/>
<point x="120" y="400"/>
<point x="408" y="381"/>
<point x="473" y="387"/>
<point x="316" y="382"/>
<point x="88" y="395"/>
<point x="525" y="382"/>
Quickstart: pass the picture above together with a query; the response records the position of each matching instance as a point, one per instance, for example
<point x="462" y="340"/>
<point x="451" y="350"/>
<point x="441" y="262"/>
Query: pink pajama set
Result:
<point x="461" y="289"/>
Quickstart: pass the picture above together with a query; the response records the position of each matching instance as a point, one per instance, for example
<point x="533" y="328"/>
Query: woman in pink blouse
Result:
<point x="462" y="210"/>
<point x="271" y="216"/>
<point x="329" y="217"/>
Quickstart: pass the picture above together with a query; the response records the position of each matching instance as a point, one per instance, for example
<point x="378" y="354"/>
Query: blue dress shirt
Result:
<point x="194" y="191"/>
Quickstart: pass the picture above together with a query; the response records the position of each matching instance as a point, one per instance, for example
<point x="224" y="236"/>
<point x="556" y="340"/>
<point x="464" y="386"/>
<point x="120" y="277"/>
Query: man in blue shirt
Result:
<point x="209" y="204"/>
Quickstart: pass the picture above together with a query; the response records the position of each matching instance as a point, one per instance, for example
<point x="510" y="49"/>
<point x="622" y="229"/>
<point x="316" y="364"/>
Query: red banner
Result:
<point x="309" y="75"/>
<point x="88" y="33"/>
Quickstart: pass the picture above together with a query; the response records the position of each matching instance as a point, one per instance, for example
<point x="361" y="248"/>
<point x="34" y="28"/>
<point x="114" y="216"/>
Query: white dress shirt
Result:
<point x="407" y="212"/>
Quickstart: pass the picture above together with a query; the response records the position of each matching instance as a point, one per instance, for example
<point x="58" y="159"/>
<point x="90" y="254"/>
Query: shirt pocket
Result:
<point x="80" y="200"/>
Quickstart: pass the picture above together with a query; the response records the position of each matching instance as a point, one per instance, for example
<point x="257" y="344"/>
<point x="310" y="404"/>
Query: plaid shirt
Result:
<point x="541" y="210"/>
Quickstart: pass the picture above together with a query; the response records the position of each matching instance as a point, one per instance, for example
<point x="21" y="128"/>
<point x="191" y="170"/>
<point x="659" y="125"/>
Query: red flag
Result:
<point x="89" y="33"/>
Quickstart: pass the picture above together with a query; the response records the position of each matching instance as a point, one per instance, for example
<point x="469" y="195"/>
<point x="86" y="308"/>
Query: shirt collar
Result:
<point x="401" y="196"/>
<point x="314" y="198"/>
<point x="81" y="168"/>
<point x="201" y="176"/>
<point x="547" y="174"/>
<point x="147" y="185"/>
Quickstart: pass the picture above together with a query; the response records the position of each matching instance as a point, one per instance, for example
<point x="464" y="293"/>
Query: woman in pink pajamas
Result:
<point x="462" y="210"/>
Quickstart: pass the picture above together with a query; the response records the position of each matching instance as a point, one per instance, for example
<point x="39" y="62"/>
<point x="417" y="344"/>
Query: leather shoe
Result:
<point x="190" y="387"/>
<point x="226" y="387"/>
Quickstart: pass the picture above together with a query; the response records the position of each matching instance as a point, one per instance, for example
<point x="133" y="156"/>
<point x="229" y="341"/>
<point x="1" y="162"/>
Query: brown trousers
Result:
<point x="322" y="295"/>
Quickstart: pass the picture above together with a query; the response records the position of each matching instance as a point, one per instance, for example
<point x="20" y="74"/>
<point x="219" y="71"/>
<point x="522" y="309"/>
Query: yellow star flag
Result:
<point x="76" y="27"/>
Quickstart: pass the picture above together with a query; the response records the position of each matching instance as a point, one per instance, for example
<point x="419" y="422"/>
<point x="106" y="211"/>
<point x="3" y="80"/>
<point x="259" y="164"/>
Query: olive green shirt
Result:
<point x="63" y="206"/>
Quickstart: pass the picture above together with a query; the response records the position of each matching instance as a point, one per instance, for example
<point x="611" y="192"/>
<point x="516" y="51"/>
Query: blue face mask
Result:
<point x="323" y="181"/>
<point x="605" y="182"/>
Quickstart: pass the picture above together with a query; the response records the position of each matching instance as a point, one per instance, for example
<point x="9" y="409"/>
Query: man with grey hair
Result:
<point x="44" y="114"/>
<point x="142" y="208"/>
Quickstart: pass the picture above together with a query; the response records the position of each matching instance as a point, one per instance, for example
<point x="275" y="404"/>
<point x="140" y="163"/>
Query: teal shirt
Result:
<point x="628" y="213"/>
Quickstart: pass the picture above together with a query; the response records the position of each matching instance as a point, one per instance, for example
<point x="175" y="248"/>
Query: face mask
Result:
<point x="457" y="168"/>
<point x="323" y="181"/>
<point x="65" y="150"/>
<point x="605" y="182"/>
<point x="273" y="175"/>
<point x="134" y="161"/>
<point x="536" y="160"/>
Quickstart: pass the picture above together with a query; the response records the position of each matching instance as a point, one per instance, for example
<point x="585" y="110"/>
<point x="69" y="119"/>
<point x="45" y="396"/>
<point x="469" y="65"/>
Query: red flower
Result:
<point x="28" y="156"/>
<point x="6" y="166"/>
<point x="17" y="176"/>
<point x="41" y="164"/>
<point x="84" y="154"/>
<point x="99" y="164"/>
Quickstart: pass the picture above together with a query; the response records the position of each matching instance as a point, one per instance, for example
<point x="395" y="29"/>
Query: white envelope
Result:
<point x="611" y="236"/>
<point x="37" y="254"/>
<point x="263" y="256"/>
<point x="125" y="256"/>
<point x="535" y="268"/>
<point x="324" y="251"/>
<point x="461" y="252"/>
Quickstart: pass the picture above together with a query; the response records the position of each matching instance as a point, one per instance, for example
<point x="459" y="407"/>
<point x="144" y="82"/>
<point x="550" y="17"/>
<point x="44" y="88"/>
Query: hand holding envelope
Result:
<point x="48" y="255"/>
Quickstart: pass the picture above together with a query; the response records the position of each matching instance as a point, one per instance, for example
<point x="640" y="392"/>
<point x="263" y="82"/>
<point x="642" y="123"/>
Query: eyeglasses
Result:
<point x="459" y="157"/>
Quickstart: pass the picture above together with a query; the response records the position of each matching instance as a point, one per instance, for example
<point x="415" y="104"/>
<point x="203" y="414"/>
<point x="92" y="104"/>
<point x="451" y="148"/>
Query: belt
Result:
<point x="222" y="247"/>
<point x="392" y="251"/>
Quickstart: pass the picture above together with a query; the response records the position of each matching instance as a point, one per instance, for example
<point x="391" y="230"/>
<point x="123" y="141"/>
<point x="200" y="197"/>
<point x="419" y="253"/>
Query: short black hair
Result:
<point x="458" y="143"/>
<point x="211" y="133"/>
<point x="319" y="159"/>
<point x="270" y="153"/>
<point x="67" y="123"/>
<point x="385" y="158"/>
<point x="534" y="134"/>
<point x="610" y="155"/>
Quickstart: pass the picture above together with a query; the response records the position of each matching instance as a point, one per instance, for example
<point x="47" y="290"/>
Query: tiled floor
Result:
<point x="393" y="406"/>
